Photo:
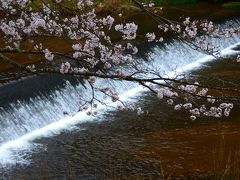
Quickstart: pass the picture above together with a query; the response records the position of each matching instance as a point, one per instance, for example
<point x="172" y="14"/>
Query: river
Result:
<point x="37" y="140"/>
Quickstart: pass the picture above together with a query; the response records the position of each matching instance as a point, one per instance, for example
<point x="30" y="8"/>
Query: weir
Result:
<point x="34" y="107"/>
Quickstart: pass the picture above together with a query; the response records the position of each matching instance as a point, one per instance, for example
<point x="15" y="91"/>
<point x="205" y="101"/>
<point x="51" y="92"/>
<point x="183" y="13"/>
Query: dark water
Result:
<point x="127" y="146"/>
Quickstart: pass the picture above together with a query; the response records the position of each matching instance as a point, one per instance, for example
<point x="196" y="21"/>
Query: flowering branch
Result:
<point x="94" y="55"/>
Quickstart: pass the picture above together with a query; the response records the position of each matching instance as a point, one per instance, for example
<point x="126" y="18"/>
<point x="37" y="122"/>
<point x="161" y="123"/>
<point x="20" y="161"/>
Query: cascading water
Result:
<point x="34" y="116"/>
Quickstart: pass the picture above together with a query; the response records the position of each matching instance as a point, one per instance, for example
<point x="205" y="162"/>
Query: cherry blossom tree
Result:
<point x="94" y="55"/>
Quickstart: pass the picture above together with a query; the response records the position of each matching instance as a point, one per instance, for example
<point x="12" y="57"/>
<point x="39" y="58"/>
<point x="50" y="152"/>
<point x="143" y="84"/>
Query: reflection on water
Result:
<point x="125" y="145"/>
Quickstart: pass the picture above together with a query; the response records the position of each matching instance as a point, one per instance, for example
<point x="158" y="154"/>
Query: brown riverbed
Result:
<point x="208" y="149"/>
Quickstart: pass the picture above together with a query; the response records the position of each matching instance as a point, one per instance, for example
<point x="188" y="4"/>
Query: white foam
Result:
<point x="9" y="151"/>
<point x="191" y="66"/>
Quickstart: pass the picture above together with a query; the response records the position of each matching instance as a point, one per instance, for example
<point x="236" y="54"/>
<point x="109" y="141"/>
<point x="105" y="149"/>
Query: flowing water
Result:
<point x="33" y="124"/>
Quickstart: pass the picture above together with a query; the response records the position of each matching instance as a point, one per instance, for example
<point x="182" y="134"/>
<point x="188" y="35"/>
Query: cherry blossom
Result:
<point x="95" y="55"/>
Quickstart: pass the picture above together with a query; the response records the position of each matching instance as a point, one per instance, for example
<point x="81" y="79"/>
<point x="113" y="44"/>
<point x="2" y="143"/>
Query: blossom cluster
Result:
<point x="129" y="30"/>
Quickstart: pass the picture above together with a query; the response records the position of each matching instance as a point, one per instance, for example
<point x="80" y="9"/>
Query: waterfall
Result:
<point x="33" y="110"/>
